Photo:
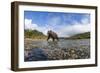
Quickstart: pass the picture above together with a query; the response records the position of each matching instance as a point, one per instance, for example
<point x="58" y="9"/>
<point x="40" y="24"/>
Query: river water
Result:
<point x="41" y="50"/>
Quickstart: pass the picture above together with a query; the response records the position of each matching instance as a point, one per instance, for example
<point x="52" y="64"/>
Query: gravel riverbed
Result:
<point x="43" y="50"/>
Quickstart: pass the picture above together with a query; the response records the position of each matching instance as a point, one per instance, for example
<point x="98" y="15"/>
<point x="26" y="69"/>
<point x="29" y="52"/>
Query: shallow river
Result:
<point x="38" y="50"/>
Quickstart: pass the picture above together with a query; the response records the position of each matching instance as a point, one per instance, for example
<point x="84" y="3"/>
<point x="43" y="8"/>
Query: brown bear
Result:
<point x="52" y="35"/>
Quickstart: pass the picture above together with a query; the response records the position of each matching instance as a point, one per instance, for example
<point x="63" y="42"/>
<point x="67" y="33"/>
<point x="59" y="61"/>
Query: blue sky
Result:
<point x="64" y="24"/>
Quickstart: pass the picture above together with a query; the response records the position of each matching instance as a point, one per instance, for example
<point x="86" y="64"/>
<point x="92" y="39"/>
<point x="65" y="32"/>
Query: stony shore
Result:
<point x="41" y="53"/>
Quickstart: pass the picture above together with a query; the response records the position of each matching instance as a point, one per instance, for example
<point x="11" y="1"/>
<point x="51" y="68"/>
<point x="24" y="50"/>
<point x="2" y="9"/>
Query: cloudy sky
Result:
<point x="64" y="24"/>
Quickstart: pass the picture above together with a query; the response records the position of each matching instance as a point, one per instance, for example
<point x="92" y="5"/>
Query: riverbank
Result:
<point x="38" y="50"/>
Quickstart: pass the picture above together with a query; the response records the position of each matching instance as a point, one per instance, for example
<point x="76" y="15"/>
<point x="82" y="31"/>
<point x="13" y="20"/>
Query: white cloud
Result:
<point x="32" y="26"/>
<point x="29" y="24"/>
<point x="61" y="30"/>
<point x="73" y="29"/>
<point x="85" y="19"/>
<point x="54" y="20"/>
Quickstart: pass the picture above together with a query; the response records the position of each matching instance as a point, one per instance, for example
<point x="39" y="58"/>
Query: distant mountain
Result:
<point x="35" y="34"/>
<point x="81" y="36"/>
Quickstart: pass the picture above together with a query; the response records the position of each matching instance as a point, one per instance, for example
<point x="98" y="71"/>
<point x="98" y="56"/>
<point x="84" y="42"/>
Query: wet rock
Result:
<point x="72" y="51"/>
<point x="53" y="51"/>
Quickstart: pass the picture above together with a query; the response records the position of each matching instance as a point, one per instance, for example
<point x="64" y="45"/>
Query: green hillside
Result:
<point x="85" y="35"/>
<point x="34" y="34"/>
